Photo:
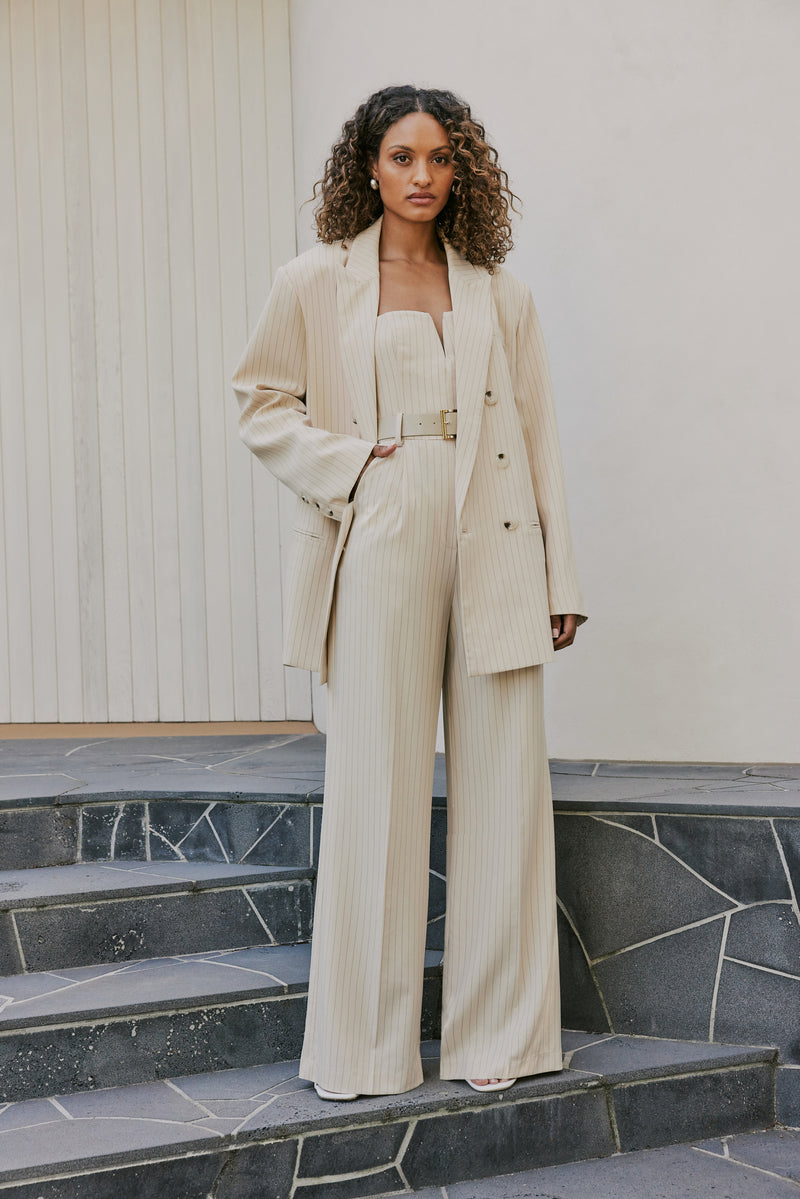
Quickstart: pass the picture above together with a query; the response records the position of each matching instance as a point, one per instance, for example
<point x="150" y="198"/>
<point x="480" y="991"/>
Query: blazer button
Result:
<point x="489" y="398"/>
<point x="503" y="461"/>
<point x="511" y="524"/>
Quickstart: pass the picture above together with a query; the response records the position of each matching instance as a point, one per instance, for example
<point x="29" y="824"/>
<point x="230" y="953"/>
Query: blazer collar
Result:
<point x="358" y="294"/>
<point x="363" y="263"/>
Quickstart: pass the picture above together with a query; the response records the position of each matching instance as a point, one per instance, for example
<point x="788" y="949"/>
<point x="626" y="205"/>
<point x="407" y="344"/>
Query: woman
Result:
<point x="397" y="382"/>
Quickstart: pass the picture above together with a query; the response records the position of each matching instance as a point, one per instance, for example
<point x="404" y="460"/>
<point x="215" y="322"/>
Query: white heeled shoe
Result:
<point x="340" y="1096"/>
<point x="502" y="1085"/>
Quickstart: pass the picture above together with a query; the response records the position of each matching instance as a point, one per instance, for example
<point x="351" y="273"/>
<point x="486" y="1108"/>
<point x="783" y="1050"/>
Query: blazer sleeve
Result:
<point x="534" y="395"/>
<point x="270" y="385"/>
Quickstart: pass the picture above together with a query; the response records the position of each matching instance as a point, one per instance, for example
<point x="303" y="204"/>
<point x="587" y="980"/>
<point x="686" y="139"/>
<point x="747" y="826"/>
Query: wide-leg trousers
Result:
<point x="395" y="644"/>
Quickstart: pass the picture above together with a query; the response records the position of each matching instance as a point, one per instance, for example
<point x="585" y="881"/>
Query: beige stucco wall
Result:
<point x="654" y="146"/>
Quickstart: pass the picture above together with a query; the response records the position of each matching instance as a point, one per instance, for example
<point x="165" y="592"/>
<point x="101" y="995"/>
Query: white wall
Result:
<point x="655" y="147"/>
<point x="145" y="198"/>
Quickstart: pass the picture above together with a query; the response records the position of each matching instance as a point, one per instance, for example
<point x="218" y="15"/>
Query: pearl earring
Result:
<point x="373" y="184"/>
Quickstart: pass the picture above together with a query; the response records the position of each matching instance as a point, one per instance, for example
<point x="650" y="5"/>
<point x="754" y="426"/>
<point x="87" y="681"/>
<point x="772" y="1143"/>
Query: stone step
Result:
<point x="262" y="1133"/>
<point x="95" y="1026"/>
<point x="59" y="917"/>
<point x="752" y="1165"/>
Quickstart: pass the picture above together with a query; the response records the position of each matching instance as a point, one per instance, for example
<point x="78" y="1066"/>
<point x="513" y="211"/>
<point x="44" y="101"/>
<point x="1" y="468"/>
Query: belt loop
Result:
<point x="398" y="432"/>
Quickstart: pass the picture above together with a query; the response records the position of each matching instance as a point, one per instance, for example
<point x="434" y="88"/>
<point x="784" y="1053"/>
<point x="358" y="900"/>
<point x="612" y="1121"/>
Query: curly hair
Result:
<point x="475" y="218"/>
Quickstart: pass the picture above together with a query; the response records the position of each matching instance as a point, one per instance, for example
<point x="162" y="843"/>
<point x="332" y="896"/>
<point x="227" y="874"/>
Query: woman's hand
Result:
<point x="564" y="629"/>
<point x="378" y="451"/>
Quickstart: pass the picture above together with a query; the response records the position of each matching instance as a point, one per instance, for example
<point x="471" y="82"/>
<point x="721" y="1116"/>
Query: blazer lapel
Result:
<point x="471" y="296"/>
<point x="357" y="295"/>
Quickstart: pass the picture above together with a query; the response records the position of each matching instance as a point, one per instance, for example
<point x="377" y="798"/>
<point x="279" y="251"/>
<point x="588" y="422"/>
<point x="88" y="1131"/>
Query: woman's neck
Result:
<point x="409" y="241"/>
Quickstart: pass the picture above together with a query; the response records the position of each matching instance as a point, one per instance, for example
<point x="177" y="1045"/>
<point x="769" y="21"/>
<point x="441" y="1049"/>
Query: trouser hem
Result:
<point x="542" y="1064"/>
<point x="363" y="1084"/>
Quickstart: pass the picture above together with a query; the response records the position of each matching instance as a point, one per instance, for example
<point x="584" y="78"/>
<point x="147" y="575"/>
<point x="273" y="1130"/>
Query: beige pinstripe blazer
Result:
<point x="306" y="388"/>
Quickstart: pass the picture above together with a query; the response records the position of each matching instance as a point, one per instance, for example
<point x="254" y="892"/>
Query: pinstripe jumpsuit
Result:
<point x="392" y="648"/>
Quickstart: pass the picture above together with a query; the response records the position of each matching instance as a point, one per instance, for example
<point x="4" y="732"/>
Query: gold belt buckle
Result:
<point x="443" y="414"/>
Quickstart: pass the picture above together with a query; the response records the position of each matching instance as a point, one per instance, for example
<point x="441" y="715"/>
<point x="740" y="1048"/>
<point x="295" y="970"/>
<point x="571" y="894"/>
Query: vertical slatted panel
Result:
<point x="145" y="200"/>
<point x="17" y="694"/>
<point x="68" y="696"/>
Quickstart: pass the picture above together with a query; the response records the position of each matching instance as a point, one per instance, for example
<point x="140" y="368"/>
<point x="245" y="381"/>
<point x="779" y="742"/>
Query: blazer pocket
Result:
<point x="308" y="522"/>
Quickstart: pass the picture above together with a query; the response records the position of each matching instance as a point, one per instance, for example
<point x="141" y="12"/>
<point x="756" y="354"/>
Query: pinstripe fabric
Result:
<point x="306" y="389"/>
<point x="396" y="636"/>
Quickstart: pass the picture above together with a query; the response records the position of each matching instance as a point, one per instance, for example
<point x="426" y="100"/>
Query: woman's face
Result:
<point x="414" y="168"/>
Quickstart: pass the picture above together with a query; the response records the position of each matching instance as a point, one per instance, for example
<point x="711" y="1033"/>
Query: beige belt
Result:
<point x="418" y="424"/>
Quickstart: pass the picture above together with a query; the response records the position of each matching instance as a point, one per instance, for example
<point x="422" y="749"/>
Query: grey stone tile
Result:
<point x="286" y="909"/>
<point x="572" y="1039"/>
<point x="557" y="766"/>
<point x="670" y="1110"/>
<point x="579" y="790"/>
<point x="738" y="856"/>
<point x="69" y="1142"/>
<point x="185" y="1177"/>
<point x="222" y="1125"/>
<point x="438" y="851"/>
<point x="380" y="1183"/>
<point x="246" y="1083"/>
<point x="767" y="935"/>
<point x="264" y="833"/>
<point x="113" y="831"/>
<point x="263" y="1170"/>
<point x="437" y="893"/>
<point x="752" y="1006"/>
<point x="201" y="844"/>
<point x="43" y="885"/>
<point x="506" y="1138"/>
<point x="144" y="927"/>
<point x="38" y="837"/>
<point x="434" y="937"/>
<point x="345" y="1151"/>
<point x="596" y="865"/>
<point x="34" y="1113"/>
<point x="787" y="1096"/>
<point x="145" y="1101"/>
<point x="701" y="771"/>
<point x="172" y="819"/>
<point x="289" y="963"/>
<point x="21" y="987"/>
<point x="581" y="1002"/>
<point x="774" y="772"/>
<point x="315" y="831"/>
<point x="9" y="954"/>
<point x="41" y="785"/>
<point x="675" y="1173"/>
<point x="665" y="988"/>
<point x="636" y="1058"/>
<point x="84" y="973"/>
<point x="776" y="1150"/>
<point x="766" y="801"/>
<point x="60" y="1061"/>
<point x="641" y="823"/>
<point x="789" y="834"/>
<point x="148" y="986"/>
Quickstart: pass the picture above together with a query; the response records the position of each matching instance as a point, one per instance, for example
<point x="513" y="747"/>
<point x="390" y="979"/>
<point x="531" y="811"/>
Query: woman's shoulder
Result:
<point x="314" y="265"/>
<point x="510" y="294"/>
<point x="508" y="285"/>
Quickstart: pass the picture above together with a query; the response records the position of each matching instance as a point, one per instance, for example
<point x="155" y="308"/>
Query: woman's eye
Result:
<point x="401" y="158"/>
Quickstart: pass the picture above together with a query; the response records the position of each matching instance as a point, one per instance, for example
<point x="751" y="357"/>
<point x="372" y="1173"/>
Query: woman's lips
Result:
<point x="422" y="200"/>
